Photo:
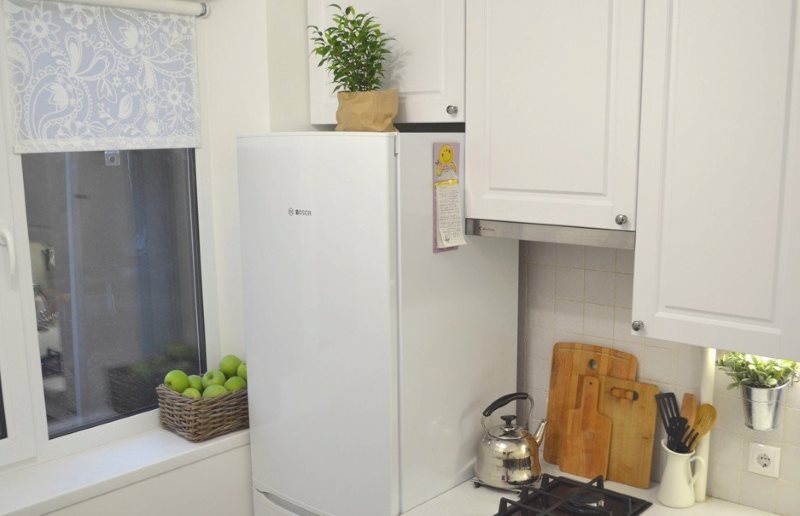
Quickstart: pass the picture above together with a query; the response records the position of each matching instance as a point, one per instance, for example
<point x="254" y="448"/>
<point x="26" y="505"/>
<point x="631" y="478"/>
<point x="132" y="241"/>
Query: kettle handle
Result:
<point x="502" y="401"/>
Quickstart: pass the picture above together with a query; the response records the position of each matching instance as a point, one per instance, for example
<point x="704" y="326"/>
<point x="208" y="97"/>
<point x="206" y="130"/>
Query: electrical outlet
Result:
<point x="764" y="460"/>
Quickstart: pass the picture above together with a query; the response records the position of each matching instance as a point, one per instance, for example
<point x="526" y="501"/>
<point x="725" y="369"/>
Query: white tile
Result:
<point x="788" y="498"/>
<point x="729" y="413"/>
<point x="791" y="427"/>
<point x="724" y="483"/>
<point x="599" y="287"/>
<point x="539" y="405"/>
<point x="541" y="313"/>
<point x="759" y="491"/>
<point x="570" y="256"/>
<point x="622" y="326"/>
<point x="569" y="316"/>
<point x="597" y="341"/>
<point x="542" y="253"/>
<point x="623" y="290"/>
<point x="569" y="283"/>
<point x="541" y="341"/>
<point x="598" y="321"/>
<point x="568" y="336"/>
<point x="689" y="372"/>
<point x="728" y="449"/>
<point x="600" y="258"/>
<point x="541" y="374"/>
<point x="657" y="364"/>
<point x="541" y="282"/>
<point x="772" y="437"/>
<point x="792" y="396"/>
<point x="624" y="261"/>
<point x="634" y="348"/>
<point x="790" y="463"/>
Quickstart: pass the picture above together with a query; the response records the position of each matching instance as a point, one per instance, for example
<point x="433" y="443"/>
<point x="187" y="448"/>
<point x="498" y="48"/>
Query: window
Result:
<point x="115" y="270"/>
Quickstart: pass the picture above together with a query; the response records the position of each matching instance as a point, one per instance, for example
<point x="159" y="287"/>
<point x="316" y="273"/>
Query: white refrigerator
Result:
<point x="370" y="357"/>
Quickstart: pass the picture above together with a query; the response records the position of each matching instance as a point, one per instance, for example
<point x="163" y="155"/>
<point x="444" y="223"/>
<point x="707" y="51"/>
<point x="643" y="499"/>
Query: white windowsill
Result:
<point x="45" y="487"/>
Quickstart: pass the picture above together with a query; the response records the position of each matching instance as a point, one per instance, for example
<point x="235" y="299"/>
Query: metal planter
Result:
<point x="762" y="406"/>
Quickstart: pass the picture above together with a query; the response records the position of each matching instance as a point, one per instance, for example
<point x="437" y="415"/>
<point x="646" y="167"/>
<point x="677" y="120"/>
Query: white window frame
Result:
<point x="25" y="411"/>
<point x="20" y="443"/>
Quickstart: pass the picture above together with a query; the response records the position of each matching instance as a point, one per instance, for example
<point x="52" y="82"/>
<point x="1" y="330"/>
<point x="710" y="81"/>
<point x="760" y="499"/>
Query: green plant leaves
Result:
<point x="353" y="50"/>
<point x="755" y="371"/>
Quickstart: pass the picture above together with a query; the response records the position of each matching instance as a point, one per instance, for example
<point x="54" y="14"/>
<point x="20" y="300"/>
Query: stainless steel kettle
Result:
<point x="508" y="455"/>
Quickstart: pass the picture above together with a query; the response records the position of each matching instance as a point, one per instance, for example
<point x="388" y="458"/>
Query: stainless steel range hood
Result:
<point x="556" y="234"/>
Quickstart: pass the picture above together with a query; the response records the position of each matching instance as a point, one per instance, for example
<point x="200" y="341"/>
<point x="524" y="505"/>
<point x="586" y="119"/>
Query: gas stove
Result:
<point x="561" y="496"/>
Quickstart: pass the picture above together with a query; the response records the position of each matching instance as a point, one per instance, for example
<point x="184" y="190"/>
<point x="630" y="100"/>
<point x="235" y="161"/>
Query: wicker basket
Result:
<point x="204" y="418"/>
<point x="130" y="393"/>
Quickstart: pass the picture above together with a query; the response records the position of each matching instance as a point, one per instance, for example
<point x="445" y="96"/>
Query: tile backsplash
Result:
<point x="584" y="294"/>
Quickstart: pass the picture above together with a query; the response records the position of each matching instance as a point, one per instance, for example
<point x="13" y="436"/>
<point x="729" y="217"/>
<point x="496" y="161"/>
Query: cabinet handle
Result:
<point x="7" y="241"/>
<point x="637" y="325"/>
<point x="452" y="110"/>
<point x="621" y="219"/>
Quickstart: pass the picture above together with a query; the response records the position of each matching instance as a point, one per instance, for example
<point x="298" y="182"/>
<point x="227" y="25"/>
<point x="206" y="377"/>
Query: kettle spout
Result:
<point x="538" y="435"/>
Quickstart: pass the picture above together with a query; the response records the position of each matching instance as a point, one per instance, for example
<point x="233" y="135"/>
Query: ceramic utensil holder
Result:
<point x="677" y="482"/>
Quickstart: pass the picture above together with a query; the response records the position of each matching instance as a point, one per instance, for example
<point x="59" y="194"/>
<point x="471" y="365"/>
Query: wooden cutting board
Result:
<point x="587" y="435"/>
<point x="632" y="408"/>
<point x="571" y="361"/>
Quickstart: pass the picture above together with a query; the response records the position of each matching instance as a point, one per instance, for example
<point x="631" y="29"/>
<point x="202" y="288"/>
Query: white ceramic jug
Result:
<point x="677" y="482"/>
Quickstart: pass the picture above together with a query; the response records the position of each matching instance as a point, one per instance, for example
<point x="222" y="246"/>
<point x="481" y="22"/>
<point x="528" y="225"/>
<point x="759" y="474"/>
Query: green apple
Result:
<point x="241" y="372"/>
<point x="229" y="364"/>
<point x="196" y="382"/>
<point x="176" y="380"/>
<point x="214" y="390"/>
<point x="191" y="392"/>
<point x="213" y="378"/>
<point x="235" y="383"/>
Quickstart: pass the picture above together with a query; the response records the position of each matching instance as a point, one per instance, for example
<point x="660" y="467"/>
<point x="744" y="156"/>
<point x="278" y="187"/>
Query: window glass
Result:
<point x="114" y="258"/>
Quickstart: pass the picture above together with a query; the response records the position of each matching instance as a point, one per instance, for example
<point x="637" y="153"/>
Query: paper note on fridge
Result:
<point x="448" y="198"/>
<point x="450" y="221"/>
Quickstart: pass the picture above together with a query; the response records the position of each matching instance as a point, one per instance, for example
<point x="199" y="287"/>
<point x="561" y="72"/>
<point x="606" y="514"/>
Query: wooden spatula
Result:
<point x="587" y="436"/>
<point x="703" y="422"/>
<point x="689" y="407"/>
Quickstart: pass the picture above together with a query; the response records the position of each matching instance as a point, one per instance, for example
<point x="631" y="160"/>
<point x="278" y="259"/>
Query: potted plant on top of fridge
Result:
<point x="761" y="381"/>
<point x="354" y="50"/>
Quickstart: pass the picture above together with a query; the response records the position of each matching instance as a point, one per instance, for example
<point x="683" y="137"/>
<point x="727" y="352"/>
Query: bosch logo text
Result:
<point x="299" y="213"/>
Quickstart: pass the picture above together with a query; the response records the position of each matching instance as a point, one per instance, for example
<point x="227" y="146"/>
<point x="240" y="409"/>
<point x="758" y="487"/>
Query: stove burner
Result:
<point x="586" y="502"/>
<point x="561" y="496"/>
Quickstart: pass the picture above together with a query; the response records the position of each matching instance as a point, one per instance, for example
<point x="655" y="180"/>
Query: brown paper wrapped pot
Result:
<point x="372" y="111"/>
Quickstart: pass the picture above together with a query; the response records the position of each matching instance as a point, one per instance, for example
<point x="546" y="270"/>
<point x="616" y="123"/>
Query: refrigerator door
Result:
<point x="318" y="219"/>
<point x="458" y="333"/>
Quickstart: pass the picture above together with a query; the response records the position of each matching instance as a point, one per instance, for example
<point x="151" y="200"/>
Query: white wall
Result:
<point x="216" y="485"/>
<point x="288" y="65"/>
<point x="583" y="294"/>
<point x="232" y="45"/>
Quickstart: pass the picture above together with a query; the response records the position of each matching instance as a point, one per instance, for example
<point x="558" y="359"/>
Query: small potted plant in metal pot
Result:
<point x="762" y="382"/>
<point x="354" y="50"/>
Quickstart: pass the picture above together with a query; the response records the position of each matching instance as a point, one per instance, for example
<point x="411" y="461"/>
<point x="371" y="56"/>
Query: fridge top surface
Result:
<point x="325" y="134"/>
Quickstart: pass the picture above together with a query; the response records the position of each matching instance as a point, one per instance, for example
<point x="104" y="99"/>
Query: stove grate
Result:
<point x="561" y="496"/>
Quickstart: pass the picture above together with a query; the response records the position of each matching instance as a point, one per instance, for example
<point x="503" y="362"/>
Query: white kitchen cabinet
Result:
<point x="426" y="63"/>
<point x="718" y="235"/>
<point x="554" y="92"/>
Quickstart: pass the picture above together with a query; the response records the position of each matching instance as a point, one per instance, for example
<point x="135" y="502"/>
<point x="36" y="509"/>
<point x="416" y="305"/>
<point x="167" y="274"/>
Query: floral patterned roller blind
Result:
<point x="97" y="78"/>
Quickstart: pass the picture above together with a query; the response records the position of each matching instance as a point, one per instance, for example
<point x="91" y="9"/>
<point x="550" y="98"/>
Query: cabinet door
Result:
<point x="718" y="239"/>
<point x="426" y="63"/>
<point x="554" y="91"/>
